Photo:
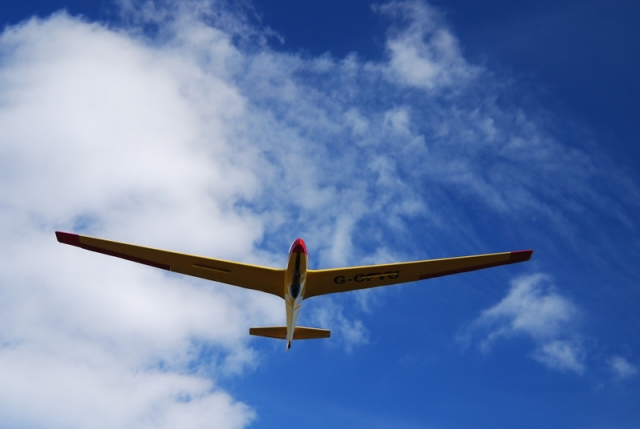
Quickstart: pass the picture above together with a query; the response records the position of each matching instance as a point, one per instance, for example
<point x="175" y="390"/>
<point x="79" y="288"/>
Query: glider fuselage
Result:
<point x="294" y="283"/>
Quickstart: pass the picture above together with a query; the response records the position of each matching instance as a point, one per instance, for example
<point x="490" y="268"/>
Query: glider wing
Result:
<point x="255" y="277"/>
<point x="322" y="282"/>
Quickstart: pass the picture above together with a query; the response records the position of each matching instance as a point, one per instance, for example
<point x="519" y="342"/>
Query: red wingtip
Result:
<point x="68" y="238"/>
<point x="298" y="246"/>
<point x="520" y="256"/>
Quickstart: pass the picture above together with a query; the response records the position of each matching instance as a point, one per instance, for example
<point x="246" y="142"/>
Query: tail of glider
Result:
<point x="280" y="332"/>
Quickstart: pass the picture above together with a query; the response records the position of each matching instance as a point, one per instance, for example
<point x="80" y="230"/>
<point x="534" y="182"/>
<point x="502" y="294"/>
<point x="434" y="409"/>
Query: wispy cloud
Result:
<point x="622" y="368"/>
<point x="349" y="332"/>
<point x="423" y="53"/>
<point x="533" y="309"/>
<point x="561" y="355"/>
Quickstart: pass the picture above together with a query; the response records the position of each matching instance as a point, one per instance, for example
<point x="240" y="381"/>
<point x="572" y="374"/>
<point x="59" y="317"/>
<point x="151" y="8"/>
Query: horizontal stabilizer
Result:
<point x="280" y="332"/>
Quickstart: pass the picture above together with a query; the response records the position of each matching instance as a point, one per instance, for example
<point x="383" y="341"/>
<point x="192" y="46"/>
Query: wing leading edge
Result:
<point x="322" y="282"/>
<point x="270" y="280"/>
<point x="255" y="277"/>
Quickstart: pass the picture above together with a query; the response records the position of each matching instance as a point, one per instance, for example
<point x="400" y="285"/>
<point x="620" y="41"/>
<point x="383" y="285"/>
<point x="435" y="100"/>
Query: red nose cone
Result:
<point x="298" y="246"/>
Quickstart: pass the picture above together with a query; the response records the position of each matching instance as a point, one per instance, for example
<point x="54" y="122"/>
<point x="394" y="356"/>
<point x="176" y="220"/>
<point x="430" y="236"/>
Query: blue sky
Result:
<point x="394" y="131"/>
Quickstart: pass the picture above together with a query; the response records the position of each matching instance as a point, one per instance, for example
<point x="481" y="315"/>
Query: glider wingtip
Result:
<point x="68" y="238"/>
<point x="520" y="256"/>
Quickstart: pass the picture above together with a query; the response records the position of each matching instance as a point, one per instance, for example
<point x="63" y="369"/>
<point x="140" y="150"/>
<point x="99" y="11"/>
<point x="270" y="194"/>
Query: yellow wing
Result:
<point x="322" y="282"/>
<point x="255" y="277"/>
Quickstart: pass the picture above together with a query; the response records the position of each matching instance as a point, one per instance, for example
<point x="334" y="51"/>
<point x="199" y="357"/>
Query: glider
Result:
<point x="296" y="282"/>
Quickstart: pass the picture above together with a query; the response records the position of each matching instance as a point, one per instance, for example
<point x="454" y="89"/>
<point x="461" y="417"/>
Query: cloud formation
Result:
<point x="422" y="51"/>
<point x="351" y="333"/>
<point x="533" y="309"/>
<point x="106" y="135"/>
<point x="622" y="368"/>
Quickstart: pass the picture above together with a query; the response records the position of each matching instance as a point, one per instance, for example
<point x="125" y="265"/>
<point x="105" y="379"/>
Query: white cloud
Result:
<point x="423" y="53"/>
<point x="78" y="387"/>
<point x="105" y="134"/>
<point x="561" y="355"/>
<point x="347" y="332"/>
<point x="622" y="368"/>
<point x="533" y="309"/>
